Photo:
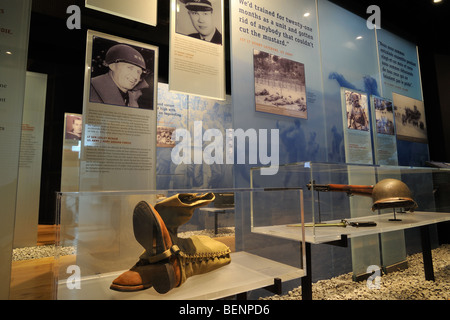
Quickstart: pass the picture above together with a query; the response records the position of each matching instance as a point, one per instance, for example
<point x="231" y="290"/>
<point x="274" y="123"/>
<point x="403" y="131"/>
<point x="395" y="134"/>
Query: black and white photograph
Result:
<point x="357" y="110"/>
<point x="74" y="127"/>
<point x="164" y="137"/>
<point x="122" y="74"/>
<point x="410" y="119"/>
<point x="384" y="116"/>
<point x="200" y="19"/>
<point x="280" y="86"/>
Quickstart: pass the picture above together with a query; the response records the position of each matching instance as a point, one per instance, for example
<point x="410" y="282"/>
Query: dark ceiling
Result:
<point x="421" y="21"/>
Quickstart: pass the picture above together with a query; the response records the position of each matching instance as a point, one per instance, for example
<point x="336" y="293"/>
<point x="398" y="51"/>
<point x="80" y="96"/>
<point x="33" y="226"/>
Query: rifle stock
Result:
<point x="360" y="190"/>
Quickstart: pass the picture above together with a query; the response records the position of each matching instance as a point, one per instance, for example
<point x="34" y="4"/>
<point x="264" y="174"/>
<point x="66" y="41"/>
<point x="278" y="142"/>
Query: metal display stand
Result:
<point x="216" y="212"/>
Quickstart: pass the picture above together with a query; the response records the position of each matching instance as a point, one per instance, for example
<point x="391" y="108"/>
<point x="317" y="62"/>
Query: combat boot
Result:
<point x="164" y="264"/>
<point x="174" y="211"/>
<point x="199" y="255"/>
<point x="179" y="208"/>
<point x="152" y="268"/>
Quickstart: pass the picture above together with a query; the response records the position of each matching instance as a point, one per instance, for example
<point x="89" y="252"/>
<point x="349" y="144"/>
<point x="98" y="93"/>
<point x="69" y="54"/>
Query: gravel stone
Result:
<point x="221" y="232"/>
<point x="38" y="252"/>
<point x="408" y="284"/>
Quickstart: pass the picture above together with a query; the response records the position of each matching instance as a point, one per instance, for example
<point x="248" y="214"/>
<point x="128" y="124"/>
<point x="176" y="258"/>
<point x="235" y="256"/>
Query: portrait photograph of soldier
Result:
<point x="357" y="111"/>
<point x="122" y="74"/>
<point x="74" y="127"/>
<point x="200" y="19"/>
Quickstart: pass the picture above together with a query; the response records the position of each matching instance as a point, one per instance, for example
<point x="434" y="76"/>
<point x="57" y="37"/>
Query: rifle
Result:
<point x="347" y="188"/>
<point x="344" y="223"/>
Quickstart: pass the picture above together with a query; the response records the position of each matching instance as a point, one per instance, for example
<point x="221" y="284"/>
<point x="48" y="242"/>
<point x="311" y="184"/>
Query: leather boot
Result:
<point x="143" y="276"/>
<point x="153" y="268"/>
<point x="201" y="254"/>
<point x="165" y="265"/>
<point x="174" y="211"/>
<point x="179" y="208"/>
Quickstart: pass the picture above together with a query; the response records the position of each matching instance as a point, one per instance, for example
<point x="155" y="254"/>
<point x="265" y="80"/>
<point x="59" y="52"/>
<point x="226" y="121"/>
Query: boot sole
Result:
<point x="144" y="225"/>
<point x="122" y="288"/>
<point x="163" y="280"/>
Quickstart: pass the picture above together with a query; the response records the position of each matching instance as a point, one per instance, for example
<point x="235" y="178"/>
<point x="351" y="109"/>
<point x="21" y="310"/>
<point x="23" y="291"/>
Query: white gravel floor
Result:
<point x="45" y="251"/>
<point x="38" y="252"/>
<point x="409" y="284"/>
<point x="221" y="232"/>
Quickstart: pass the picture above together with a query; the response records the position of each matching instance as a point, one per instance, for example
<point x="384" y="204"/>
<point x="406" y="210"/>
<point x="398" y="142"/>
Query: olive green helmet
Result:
<point x="392" y="193"/>
<point x="125" y="53"/>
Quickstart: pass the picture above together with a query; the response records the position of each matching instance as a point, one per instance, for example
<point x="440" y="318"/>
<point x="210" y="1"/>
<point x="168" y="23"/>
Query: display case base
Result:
<point x="317" y="235"/>
<point x="246" y="272"/>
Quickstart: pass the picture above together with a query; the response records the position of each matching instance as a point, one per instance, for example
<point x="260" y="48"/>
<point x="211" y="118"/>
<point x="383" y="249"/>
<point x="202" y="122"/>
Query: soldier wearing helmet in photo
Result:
<point x="201" y="15"/>
<point x="124" y="82"/>
<point x="357" y="118"/>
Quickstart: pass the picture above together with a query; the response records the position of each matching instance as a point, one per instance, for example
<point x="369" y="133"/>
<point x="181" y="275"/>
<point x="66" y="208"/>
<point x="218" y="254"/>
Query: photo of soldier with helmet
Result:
<point x="122" y="74"/>
<point x="357" y="111"/>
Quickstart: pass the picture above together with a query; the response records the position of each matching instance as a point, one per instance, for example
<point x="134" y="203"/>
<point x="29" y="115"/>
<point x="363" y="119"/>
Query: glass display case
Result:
<point x="98" y="229"/>
<point x="352" y="200"/>
<point x="369" y="207"/>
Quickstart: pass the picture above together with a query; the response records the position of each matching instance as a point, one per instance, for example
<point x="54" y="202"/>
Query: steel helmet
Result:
<point x="392" y="193"/>
<point x="355" y="97"/>
<point x="125" y="53"/>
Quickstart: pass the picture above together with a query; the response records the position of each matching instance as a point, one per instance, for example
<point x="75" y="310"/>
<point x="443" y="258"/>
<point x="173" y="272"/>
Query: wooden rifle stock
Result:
<point x="347" y="188"/>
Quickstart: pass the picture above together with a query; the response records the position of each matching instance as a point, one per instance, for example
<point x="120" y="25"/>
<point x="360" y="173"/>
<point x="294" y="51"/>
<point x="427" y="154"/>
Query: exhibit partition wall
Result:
<point x="15" y="20"/>
<point x="70" y="164"/>
<point x="277" y="95"/>
<point x="315" y="82"/>
<point x="351" y="76"/>
<point x="30" y="161"/>
<point x="118" y="149"/>
<point x="191" y="141"/>
<point x="119" y="115"/>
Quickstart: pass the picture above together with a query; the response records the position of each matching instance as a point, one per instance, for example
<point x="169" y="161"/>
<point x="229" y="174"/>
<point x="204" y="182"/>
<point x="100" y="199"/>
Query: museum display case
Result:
<point x="364" y="208"/>
<point x="101" y="230"/>
<point x="348" y="201"/>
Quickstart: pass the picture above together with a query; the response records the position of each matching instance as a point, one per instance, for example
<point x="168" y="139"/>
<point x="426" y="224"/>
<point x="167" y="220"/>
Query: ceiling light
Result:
<point x="437" y="1"/>
<point x="306" y="14"/>
<point x="359" y="37"/>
